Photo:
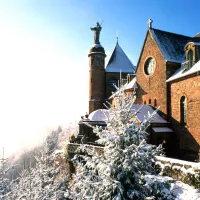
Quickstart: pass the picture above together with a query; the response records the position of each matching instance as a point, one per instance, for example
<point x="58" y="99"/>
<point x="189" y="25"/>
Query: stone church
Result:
<point x="167" y="75"/>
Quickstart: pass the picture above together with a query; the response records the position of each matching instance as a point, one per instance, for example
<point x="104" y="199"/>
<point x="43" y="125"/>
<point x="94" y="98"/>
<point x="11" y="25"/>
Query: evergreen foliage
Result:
<point x="5" y="184"/>
<point x="41" y="182"/>
<point x="120" y="173"/>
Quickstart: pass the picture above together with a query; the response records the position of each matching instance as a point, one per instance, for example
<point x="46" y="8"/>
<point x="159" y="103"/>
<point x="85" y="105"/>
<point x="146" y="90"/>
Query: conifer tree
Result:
<point x="5" y="184"/>
<point x="118" y="174"/>
<point x="41" y="182"/>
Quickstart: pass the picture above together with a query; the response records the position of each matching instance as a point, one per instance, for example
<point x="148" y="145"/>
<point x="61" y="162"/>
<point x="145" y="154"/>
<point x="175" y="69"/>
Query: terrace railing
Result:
<point x="187" y="65"/>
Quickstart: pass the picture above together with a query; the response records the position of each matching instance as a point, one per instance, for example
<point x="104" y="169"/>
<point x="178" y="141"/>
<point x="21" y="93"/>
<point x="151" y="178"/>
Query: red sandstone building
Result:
<point x="167" y="75"/>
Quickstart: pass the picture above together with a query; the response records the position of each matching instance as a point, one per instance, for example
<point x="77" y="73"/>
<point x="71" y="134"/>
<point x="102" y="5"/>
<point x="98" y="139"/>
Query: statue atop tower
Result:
<point x="97" y="30"/>
<point x="96" y="72"/>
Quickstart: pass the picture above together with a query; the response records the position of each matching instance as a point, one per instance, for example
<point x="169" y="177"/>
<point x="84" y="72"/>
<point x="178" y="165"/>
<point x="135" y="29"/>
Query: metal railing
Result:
<point x="187" y="65"/>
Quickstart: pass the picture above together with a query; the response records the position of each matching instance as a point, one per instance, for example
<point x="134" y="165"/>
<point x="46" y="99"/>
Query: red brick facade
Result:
<point x="188" y="135"/>
<point x="153" y="86"/>
<point x="96" y="78"/>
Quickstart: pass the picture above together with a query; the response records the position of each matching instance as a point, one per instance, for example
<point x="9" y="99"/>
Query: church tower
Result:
<point x="96" y="72"/>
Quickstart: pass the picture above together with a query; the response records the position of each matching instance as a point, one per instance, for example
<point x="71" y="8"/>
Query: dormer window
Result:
<point x="191" y="52"/>
<point x="190" y="58"/>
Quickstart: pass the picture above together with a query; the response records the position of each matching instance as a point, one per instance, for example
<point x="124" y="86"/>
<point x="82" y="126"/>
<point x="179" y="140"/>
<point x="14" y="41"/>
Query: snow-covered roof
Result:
<point x="96" y="46"/>
<point x="143" y="113"/>
<point x="118" y="61"/>
<point x="196" y="43"/>
<point x="171" y="44"/>
<point x="179" y="73"/>
<point x="197" y="35"/>
<point x="162" y="129"/>
<point x="99" y="115"/>
<point x="132" y="84"/>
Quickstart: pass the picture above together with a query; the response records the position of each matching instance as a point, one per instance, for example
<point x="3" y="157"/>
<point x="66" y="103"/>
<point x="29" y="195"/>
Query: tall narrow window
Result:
<point x="155" y="102"/>
<point x="183" y="111"/>
<point x="149" y="101"/>
<point x="92" y="62"/>
<point x="190" y="59"/>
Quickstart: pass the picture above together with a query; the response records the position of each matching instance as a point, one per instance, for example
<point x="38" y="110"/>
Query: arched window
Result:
<point x="183" y="110"/>
<point x="149" y="101"/>
<point x="155" y="102"/>
<point x="190" y="59"/>
<point x="113" y="81"/>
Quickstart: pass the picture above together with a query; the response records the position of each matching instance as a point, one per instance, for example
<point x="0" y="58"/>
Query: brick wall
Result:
<point x="188" y="136"/>
<point x="96" y="82"/>
<point x="152" y="86"/>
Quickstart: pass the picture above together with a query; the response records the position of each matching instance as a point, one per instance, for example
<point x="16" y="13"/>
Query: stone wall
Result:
<point x="187" y="172"/>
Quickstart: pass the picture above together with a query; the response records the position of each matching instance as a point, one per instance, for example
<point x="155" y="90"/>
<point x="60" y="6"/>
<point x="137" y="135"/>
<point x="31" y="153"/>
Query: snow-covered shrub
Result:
<point x="119" y="173"/>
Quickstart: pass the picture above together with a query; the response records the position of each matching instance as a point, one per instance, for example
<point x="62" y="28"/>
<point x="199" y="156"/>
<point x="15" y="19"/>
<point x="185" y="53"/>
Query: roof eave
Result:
<point x="153" y="36"/>
<point x="192" y="73"/>
<point x="141" y="50"/>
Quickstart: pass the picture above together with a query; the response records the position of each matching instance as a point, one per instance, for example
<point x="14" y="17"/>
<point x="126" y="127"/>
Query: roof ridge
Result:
<point x="115" y="59"/>
<point x="171" y="33"/>
<point x="197" y="35"/>
<point x="124" y="53"/>
<point x="109" y="59"/>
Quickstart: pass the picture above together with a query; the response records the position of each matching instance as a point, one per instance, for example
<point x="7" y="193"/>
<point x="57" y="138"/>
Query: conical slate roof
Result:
<point x="118" y="61"/>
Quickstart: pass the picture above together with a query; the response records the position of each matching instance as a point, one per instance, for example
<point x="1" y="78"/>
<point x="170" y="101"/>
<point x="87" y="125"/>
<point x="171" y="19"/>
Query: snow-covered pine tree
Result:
<point x="5" y="183"/>
<point x="41" y="182"/>
<point x="118" y="174"/>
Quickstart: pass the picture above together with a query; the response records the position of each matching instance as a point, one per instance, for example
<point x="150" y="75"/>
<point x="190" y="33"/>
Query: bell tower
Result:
<point x="96" y="72"/>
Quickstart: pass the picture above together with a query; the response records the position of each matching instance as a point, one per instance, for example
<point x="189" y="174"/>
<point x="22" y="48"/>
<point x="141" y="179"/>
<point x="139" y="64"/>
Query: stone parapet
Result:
<point x="187" y="172"/>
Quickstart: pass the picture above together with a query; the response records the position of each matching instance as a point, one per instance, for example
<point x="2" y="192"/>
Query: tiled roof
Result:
<point x="118" y="61"/>
<point x="171" y="44"/>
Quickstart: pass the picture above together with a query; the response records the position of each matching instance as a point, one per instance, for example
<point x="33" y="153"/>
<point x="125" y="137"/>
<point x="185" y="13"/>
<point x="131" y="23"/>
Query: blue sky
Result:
<point x="43" y="55"/>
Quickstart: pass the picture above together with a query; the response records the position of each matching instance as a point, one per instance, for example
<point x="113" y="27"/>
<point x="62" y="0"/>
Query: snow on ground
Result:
<point x="183" y="191"/>
<point x="178" y="189"/>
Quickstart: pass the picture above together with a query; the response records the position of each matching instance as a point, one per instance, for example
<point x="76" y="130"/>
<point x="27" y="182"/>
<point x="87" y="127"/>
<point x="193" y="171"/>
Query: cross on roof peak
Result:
<point x="117" y="36"/>
<point x="150" y="23"/>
